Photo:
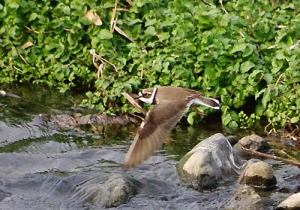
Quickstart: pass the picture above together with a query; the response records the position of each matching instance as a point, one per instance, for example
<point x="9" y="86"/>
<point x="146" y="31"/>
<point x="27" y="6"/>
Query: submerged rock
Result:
<point x="117" y="190"/>
<point x="245" y="198"/>
<point x="253" y="142"/>
<point x="77" y="119"/>
<point x="4" y="194"/>
<point x="258" y="174"/>
<point x="208" y="163"/>
<point x="291" y="203"/>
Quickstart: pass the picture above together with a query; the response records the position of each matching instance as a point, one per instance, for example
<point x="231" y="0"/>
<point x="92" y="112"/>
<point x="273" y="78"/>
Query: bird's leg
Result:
<point x="197" y="111"/>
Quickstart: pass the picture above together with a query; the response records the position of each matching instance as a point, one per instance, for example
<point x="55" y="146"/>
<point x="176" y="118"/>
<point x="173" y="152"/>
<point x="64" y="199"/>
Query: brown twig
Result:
<point x="295" y="45"/>
<point x="23" y="59"/>
<point x="210" y="4"/>
<point x="264" y="155"/>
<point x="129" y="2"/>
<point x="29" y="29"/>
<point x="113" y="22"/>
<point x="113" y="17"/>
<point x="102" y="60"/>
<point x="223" y="8"/>
<point x="134" y="103"/>
<point x="279" y="78"/>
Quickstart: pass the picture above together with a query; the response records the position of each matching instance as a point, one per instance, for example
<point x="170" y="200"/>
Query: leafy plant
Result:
<point x="244" y="53"/>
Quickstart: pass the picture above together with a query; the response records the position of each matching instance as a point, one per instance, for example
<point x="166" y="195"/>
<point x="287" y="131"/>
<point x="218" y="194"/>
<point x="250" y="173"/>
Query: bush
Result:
<point x="244" y="52"/>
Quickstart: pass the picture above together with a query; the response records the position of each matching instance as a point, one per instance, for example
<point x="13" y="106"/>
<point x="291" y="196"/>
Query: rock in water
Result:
<point x="245" y="198"/>
<point x="258" y="174"/>
<point x="117" y="190"/>
<point x="253" y="142"/>
<point x="292" y="202"/>
<point x="208" y="163"/>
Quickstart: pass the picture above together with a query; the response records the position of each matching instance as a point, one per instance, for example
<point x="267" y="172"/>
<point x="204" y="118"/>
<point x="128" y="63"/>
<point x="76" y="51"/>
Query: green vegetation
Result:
<point x="245" y="53"/>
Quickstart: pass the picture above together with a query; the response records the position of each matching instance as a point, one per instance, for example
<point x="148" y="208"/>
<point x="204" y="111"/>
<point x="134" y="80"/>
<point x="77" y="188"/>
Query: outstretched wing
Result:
<point x="153" y="132"/>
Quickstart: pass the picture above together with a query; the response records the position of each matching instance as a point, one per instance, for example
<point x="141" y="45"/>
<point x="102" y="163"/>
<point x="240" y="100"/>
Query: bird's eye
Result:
<point x="147" y="95"/>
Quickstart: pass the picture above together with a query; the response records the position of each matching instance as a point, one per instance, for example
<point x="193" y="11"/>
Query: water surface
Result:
<point x="45" y="166"/>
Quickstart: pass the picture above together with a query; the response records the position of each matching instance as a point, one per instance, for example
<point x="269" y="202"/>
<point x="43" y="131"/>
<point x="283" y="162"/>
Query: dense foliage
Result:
<point x="245" y="53"/>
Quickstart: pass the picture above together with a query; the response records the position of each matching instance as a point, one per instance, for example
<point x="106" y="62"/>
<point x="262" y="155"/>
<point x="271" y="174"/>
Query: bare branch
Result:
<point x="102" y="60"/>
<point x="223" y="8"/>
<point x="264" y="155"/>
<point x="295" y="45"/>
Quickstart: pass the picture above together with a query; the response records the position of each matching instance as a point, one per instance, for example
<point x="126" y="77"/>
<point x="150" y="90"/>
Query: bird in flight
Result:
<point x="169" y="104"/>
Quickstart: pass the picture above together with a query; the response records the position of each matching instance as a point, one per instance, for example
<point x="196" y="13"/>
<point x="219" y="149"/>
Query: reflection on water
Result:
<point x="44" y="166"/>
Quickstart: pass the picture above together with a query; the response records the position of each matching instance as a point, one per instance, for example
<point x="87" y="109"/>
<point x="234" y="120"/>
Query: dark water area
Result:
<point x="45" y="166"/>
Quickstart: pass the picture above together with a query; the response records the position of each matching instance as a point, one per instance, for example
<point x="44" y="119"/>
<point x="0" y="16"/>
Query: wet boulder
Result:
<point x="210" y="162"/>
<point x="291" y="203"/>
<point x="4" y="195"/>
<point x="245" y="198"/>
<point x="258" y="174"/>
<point x="117" y="190"/>
<point x="253" y="142"/>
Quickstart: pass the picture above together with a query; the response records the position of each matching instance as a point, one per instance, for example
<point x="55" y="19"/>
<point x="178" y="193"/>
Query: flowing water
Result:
<point x="45" y="166"/>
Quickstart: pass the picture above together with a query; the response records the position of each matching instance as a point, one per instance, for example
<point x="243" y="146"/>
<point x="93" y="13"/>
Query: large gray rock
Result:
<point x="291" y="203"/>
<point x="258" y="174"/>
<point x="245" y="198"/>
<point x="116" y="191"/>
<point x="208" y="163"/>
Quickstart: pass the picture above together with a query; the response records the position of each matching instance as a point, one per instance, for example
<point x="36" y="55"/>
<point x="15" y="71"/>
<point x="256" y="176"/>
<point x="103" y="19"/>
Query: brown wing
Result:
<point x="153" y="131"/>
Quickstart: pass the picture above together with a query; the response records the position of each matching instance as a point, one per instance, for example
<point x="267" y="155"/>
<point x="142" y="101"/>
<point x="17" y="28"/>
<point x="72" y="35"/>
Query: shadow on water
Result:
<point x="44" y="166"/>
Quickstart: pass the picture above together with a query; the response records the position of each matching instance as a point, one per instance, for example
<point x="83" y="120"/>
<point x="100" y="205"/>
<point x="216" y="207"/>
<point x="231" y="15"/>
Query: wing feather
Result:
<point x="159" y="121"/>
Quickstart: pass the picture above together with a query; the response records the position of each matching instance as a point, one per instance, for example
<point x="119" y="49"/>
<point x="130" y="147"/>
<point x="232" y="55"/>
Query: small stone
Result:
<point x="245" y="198"/>
<point x="291" y="203"/>
<point x="258" y="174"/>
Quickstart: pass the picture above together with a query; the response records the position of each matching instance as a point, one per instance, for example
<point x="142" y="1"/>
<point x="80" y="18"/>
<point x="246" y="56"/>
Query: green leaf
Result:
<point x="150" y="31"/>
<point x="238" y="47"/>
<point x="163" y="36"/>
<point x="280" y="55"/>
<point x="102" y="83"/>
<point x="248" y="51"/>
<point x="266" y="98"/>
<point x="246" y="66"/>
<point x="233" y="125"/>
<point x="234" y="115"/>
<point x="32" y="16"/>
<point x="105" y="34"/>
<point x="66" y="10"/>
<point x="134" y="21"/>
<point x="259" y="110"/>
<point x="226" y="119"/>
<point x="190" y="118"/>
<point x="268" y="78"/>
<point x="32" y="4"/>
<point x="295" y="119"/>
<point x="150" y="22"/>
<point x="255" y="73"/>
<point x="13" y="5"/>
<point x="179" y="71"/>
